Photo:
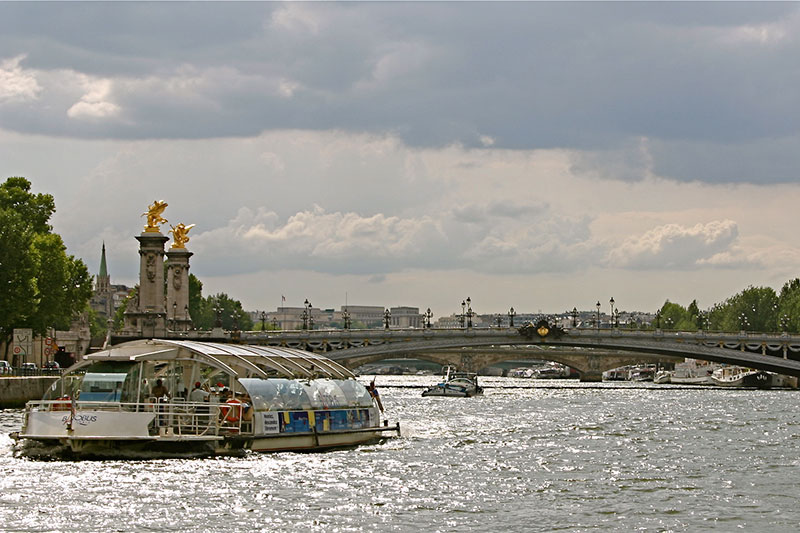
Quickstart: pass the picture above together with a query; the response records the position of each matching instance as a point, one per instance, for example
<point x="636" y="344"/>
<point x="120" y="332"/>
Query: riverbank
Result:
<point x="16" y="391"/>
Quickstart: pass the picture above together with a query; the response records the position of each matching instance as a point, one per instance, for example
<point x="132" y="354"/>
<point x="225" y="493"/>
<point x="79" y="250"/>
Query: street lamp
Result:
<point x="218" y="314"/>
<point x="463" y="312"/>
<point x="306" y="313"/>
<point x="784" y="323"/>
<point x="386" y="316"/>
<point x="611" y="302"/>
<point x="743" y="321"/>
<point x="574" y="315"/>
<point x="499" y="320"/>
<point x="598" y="314"/>
<point x="428" y="315"/>
<point x="511" y="315"/>
<point x="346" y="318"/>
<point x="658" y="319"/>
<point x="616" y="318"/>
<point x="263" y="320"/>
<point x="470" y="314"/>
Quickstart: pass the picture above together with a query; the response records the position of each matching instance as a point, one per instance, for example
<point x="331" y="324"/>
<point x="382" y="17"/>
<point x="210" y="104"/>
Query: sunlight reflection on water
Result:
<point x="521" y="459"/>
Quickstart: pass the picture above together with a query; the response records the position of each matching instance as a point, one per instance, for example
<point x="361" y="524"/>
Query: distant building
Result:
<point x="107" y="298"/>
<point x="405" y="317"/>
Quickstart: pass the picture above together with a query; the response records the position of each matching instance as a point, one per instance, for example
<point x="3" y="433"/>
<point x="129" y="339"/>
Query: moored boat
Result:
<point x="690" y="372"/>
<point x="738" y="376"/>
<point x="133" y="400"/>
<point x="663" y="377"/>
<point x="455" y="384"/>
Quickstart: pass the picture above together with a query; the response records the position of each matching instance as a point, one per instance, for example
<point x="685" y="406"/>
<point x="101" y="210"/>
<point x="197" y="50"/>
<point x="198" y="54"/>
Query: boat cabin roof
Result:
<point x="236" y="359"/>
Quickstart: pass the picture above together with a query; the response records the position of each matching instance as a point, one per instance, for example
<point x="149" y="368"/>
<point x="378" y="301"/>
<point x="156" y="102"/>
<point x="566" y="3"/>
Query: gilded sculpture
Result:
<point x="179" y="233"/>
<point x="154" y="218"/>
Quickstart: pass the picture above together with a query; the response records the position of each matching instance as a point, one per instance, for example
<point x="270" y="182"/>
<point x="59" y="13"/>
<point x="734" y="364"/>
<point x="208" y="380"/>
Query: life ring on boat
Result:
<point x="231" y="410"/>
<point x="64" y="403"/>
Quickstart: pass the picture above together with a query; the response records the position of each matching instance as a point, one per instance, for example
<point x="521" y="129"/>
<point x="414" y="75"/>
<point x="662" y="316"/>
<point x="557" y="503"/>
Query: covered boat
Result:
<point x="457" y="384"/>
<point x="179" y="398"/>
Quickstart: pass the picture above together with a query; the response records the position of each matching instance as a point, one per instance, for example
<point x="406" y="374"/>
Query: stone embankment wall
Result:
<point x="14" y="392"/>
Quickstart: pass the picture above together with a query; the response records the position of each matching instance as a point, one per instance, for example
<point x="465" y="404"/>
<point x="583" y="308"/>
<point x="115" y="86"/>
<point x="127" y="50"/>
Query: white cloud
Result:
<point x="17" y="84"/>
<point x="676" y="247"/>
<point x="95" y="103"/>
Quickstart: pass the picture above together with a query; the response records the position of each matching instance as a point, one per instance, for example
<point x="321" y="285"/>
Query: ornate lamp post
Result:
<point x="306" y="314"/>
<point x="218" y="313"/>
<point x="611" y="302"/>
<point x="386" y="316"/>
<point x="428" y="315"/>
<point x="263" y="320"/>
<point x="511" y="315"/>
<point x="598" y="315"/>
<point x="784" y="323"/>
<point x="669" y="322"/>
<point x="346" y="318"/>
<point x="743" y="321"/>
<point x="470" y="313"/>
<point x="499" y="319"/>
<point x="574" y="315"/>
<point x="616" y="318"/>
<point x="274" y="323"/>
<point x="463" y="312"/>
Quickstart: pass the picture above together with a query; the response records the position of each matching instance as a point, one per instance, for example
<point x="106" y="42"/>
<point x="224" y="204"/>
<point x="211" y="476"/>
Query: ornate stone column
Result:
<point x="148" y="317"/>
<point x="178" y="289"/>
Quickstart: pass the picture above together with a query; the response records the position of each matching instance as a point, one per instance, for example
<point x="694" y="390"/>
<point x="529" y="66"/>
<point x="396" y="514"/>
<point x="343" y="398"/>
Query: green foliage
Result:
<point x="43" y="287"/>
<point x="119" y="314"/>
<point x="753" y="309"/>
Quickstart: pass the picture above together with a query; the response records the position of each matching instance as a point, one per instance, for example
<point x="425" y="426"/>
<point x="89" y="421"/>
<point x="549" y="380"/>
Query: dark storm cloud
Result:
<point x="588" y="76"/>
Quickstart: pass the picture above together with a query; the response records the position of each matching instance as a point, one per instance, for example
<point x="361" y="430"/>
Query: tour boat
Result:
<point x="134" y="399"/>
<point x="456" y="384"/>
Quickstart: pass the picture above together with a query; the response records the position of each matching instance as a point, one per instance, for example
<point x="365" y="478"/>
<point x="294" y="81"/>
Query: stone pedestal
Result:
<point x="178" y="289"/>
<point x="148" y="317"/>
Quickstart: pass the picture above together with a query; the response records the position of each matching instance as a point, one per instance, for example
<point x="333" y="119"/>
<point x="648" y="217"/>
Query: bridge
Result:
<point x="590" y="351"/>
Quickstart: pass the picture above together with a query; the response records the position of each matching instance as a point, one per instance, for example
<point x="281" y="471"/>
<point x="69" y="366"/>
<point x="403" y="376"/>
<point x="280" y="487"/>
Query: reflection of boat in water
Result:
<point x="246" y="398"/>
<point x="522" y="372"/>
<point x="738" y="376"/>
<point x="455" y="384"/>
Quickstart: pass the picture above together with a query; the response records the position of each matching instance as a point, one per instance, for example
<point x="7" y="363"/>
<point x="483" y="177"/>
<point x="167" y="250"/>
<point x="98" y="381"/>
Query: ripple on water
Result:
<point x="526" y="459"/>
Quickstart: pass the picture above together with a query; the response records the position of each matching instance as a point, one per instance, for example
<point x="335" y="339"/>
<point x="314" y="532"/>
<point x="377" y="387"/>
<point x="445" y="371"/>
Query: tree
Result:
<point x="788" y="312"/>
<point x="753" y="309"/>
<point x="42" y="286"/>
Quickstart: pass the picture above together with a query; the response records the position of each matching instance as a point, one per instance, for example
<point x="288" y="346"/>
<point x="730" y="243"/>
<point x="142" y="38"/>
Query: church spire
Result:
<point x="103" y="270"/>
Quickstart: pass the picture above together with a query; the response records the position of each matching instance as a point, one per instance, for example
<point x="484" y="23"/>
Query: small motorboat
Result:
<point x="455" y="384"/>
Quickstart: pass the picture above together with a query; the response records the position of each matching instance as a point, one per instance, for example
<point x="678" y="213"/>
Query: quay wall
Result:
<point x="14" y="392"/>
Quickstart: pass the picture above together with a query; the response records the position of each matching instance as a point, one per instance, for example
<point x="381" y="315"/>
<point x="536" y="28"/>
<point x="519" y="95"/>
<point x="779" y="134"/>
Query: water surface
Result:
<point x="527" y="456"/>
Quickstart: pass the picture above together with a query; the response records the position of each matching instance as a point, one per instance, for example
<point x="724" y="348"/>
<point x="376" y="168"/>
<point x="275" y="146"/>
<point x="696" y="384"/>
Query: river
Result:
<point x="526" y="456"/>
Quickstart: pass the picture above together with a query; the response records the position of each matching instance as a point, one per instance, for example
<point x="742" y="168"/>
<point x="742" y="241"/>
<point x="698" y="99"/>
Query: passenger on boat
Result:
<point x="159" y="391"/>
<point x="198" y="394"/>
<point x="375" y="394"/>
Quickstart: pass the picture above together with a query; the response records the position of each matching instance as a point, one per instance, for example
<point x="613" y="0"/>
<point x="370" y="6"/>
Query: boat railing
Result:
<point x="173" y="417"/>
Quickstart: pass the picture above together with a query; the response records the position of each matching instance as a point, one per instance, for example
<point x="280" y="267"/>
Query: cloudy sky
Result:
<point x="535" y="155"/>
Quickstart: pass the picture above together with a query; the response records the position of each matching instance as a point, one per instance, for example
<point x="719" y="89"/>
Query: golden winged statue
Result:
<point x="154" y="218"/>
<point x="179" y="233"/>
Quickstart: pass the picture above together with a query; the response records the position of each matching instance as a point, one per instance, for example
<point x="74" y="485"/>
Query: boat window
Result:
<point x="102" y="387"/>
<point x="356" y="393"/>
<point x="329" y="393"/>
<point x="276" y="394"/>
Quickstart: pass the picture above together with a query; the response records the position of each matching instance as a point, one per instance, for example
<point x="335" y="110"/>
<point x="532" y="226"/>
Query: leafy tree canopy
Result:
<point x="42" y="285"/>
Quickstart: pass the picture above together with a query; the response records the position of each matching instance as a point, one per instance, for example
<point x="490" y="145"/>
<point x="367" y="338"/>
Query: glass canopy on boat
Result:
<point x="240" y="361"/>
